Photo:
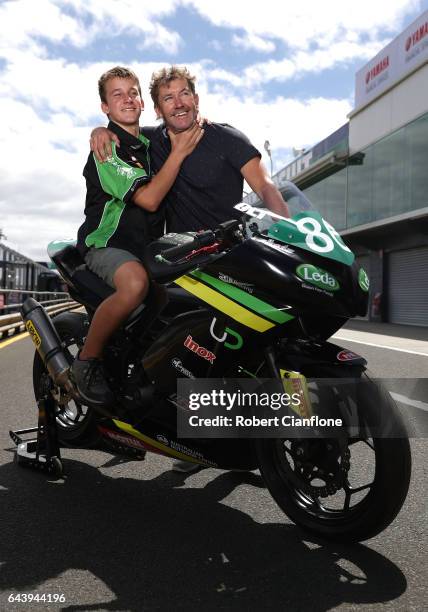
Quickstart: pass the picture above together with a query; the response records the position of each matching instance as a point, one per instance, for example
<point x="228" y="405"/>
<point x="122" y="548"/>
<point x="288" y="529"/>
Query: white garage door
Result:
<point x="407" y="291"/>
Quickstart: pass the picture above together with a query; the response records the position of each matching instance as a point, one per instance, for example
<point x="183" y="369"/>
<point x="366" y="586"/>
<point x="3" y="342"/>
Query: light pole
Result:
<point x="269" y="152"/>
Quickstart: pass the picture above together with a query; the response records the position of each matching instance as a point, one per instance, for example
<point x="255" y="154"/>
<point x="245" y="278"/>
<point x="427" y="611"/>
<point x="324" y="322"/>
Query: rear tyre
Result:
<point x="345" y="489"/>
<point x="76" y="423"/>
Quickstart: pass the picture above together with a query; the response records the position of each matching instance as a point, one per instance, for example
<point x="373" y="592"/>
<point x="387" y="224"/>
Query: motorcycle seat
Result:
<point x="85" y="286"/>
<point x="90" y="290"/>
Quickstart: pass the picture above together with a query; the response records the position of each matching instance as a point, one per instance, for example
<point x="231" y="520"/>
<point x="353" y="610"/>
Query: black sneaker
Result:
<point x="90" y="381"/>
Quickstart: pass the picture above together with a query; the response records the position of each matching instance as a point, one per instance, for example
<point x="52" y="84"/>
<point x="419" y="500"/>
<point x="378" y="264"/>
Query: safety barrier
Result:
<point x="12" y="323"/>
<point x="11" y="299"/>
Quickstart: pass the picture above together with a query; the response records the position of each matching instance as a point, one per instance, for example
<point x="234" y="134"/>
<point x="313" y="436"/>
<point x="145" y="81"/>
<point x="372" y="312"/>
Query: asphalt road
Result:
<point x="127" y="535"/>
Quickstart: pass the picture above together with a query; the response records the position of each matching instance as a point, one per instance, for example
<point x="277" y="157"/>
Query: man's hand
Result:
<point x="150" y="195"/>
<point x="183" y="143"/>
<point x="100" y="143"/>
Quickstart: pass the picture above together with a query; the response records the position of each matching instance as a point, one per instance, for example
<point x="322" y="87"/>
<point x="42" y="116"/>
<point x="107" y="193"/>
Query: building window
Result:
<point x="329" y="198"/>
<point x="393" y="178"/>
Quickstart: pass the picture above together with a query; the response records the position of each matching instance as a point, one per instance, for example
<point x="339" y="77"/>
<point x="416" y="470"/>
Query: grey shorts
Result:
<point x="105" y="261"/>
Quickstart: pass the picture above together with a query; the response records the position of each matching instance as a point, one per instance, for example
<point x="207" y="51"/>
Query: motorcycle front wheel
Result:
<point x="345" y="488"/>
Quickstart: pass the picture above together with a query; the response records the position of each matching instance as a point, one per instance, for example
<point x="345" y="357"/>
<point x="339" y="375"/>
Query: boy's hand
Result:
<point x="100" y="143"/>
<point x="185" y="142"/>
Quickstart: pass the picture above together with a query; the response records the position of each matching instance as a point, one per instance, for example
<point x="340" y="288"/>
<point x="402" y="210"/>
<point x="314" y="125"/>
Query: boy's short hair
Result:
<point x="117" y="71"/>
<point x="166" y="75"/>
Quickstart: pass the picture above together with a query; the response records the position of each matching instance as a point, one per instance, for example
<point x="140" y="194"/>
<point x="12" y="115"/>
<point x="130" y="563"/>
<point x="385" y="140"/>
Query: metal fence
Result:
<point x="11" y="301"/>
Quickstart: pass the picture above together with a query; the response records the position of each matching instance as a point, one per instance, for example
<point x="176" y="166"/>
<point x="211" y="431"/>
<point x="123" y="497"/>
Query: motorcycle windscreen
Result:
<point x="306" y="228"/>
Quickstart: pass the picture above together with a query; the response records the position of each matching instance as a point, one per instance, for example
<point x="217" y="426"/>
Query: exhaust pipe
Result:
<point x="47" y="342"/>
<point x="48" y="345"/>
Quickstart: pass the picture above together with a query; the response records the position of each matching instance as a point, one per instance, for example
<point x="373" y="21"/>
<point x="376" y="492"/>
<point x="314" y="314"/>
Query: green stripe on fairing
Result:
<point x="262" y="308"/>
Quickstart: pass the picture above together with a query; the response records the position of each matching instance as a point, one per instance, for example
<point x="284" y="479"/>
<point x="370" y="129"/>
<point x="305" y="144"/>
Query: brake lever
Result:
<point x="212" y="248"/>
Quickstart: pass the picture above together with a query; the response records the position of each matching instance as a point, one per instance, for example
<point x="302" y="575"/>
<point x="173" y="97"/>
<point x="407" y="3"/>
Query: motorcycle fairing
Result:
<point x="158" y="447"/>
<point x="274" y="280"/>
<point x="158" y="434"/>
<point x="237" y="304"/>
<point x="301" y="355"/>
<point x="171" y="355"/>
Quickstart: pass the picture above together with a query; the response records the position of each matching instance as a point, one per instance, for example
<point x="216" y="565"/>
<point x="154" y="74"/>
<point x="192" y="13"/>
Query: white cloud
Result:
<point x="318" y="39"/>
<point x="301" y="25"/>
<point x="52" y="86"/>
<point x="27" y="24"/>
<point x="24" y="20"/>
<point x="285" y="122"/>
<point x="251" y="41"/>
<point x="169" y="42"/>
<point x="208" y="72"/>
<point x="305" y="62"/>
<point x="42" y="186"/>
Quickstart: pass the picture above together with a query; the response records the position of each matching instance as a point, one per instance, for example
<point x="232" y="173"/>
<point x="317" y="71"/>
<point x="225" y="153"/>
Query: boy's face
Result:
<point x="177" y="105"/>
<point x="123" y="101"/>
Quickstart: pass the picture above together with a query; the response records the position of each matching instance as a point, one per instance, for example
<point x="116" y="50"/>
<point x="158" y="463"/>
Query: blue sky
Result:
<point x="276" y="70"/>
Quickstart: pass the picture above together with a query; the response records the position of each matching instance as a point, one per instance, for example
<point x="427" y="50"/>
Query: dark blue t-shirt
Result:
<point x="209" y="183"/>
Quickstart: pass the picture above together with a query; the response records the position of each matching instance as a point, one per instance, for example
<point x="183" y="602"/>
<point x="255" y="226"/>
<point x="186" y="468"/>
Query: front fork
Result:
<point x="292" y="381"/>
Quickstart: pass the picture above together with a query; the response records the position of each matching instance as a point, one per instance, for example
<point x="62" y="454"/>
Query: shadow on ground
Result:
<point x="157" y="546"/>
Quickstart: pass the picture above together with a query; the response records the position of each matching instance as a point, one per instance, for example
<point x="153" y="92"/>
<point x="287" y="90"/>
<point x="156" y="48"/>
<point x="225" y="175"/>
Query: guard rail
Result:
<point x="13" y="322"/>
<point x="11" y="299"/>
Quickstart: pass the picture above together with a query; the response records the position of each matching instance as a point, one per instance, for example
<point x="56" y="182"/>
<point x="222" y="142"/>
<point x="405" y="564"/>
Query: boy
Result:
<point x="121" y="194"/>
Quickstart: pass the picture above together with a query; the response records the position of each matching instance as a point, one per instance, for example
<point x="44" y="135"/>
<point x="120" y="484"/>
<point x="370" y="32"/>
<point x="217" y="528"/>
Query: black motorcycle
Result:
<point x="255" y="300"/>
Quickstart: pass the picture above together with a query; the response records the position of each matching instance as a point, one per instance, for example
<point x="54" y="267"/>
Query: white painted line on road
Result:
<point x="391" y="348"/>
<point x="406" y="400"/>
<point x="12" y="340"/>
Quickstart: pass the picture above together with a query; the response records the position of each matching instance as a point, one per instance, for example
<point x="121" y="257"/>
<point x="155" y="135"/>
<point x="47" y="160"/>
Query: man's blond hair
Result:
<point x="117" y="71"/>
<point x="165" y="76"/>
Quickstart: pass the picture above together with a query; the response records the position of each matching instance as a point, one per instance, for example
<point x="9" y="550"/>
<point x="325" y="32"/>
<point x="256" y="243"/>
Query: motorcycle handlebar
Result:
<point x="229" y="230"/>
<point x="203" y="239"/>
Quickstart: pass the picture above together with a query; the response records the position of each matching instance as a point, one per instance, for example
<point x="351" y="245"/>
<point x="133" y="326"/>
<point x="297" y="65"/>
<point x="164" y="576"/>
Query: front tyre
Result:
<point x="345" y="489"/>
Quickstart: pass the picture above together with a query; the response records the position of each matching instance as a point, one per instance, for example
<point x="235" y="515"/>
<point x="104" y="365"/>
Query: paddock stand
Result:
<point x="41" y="452"/>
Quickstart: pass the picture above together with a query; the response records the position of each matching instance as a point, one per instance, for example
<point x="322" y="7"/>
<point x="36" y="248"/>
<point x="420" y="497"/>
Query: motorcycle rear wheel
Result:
<point x="76" y="423"/>
<point x="355" y="511"/>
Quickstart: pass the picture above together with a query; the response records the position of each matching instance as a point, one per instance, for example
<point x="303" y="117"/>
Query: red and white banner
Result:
<point x="403" y="55"/>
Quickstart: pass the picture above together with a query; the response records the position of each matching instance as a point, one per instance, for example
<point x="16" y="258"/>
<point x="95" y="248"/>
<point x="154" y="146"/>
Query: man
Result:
<point x="121" y="193"/>
<point x="210" y="181"/>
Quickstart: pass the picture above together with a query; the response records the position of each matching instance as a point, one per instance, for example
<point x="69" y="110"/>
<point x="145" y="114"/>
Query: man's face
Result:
<point x="177" y="105"/>
<point x="123" y="101"/>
